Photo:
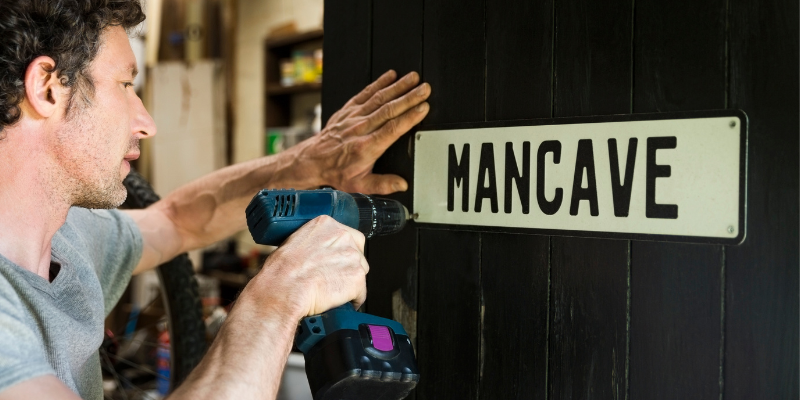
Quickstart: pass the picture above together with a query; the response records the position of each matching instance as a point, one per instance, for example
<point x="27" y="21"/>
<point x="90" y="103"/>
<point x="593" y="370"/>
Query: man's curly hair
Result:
<point x="68" y="31"/>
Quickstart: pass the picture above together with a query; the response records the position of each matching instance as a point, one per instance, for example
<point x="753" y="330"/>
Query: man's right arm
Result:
<point x="320" y="267"/>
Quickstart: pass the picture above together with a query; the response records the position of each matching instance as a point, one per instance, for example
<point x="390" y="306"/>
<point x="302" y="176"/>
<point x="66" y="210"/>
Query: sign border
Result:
<point x="743" y="168"/>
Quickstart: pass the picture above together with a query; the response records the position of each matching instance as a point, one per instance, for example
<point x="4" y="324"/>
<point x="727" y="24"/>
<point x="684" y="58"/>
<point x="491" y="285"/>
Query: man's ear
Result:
<point x="44" y="92"/>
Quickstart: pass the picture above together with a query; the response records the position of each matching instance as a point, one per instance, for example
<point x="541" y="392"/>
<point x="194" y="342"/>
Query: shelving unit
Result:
<point x="277" y="90"/>
<point x="279" y="98"/>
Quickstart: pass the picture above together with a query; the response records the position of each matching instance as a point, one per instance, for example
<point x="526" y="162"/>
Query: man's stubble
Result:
<point x="89" y="176"/>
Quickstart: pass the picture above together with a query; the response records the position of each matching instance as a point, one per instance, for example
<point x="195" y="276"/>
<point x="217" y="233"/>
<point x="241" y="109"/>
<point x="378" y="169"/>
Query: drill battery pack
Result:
<point x="356" y="356"/>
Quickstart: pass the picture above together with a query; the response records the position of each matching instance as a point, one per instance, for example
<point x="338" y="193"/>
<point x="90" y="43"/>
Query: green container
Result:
<point x="273" y="142"/>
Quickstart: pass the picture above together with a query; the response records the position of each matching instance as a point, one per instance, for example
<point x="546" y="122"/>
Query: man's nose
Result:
<point x="143" y="124"/>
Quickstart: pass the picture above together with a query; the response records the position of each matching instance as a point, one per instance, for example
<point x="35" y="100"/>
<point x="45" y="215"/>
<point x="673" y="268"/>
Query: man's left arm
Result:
<point x="342" y="155"/>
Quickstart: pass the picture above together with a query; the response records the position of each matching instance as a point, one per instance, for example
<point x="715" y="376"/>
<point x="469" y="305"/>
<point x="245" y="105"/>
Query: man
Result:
<point x="70" y="124"/>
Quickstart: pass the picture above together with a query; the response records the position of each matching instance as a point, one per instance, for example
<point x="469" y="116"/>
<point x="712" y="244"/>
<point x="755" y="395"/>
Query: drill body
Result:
<point x="273" y="215"/>
<point x="349" y="355"/>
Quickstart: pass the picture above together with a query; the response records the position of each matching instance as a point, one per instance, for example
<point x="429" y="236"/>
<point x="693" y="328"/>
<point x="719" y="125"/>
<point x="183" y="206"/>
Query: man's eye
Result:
<point x="127" y="84"/>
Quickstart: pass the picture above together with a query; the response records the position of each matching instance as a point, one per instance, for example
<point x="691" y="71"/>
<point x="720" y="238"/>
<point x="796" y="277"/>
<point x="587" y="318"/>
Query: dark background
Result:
<point x="516" y="316"/>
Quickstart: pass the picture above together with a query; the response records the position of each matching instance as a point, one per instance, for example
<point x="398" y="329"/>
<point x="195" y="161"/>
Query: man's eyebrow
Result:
<point x="133" y="70"/>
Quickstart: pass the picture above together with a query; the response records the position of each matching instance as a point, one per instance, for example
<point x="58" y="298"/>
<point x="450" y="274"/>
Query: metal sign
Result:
<point x="674" y="177"/>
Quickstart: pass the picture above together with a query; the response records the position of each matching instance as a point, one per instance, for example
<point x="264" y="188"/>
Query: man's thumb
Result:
<point x="383" y="184"/>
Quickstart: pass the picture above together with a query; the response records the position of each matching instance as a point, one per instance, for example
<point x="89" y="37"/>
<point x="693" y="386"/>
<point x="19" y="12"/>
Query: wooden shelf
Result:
<point x="279" y="100"/>
<point x="291" y="40"/>
<point x="279" y="90"/>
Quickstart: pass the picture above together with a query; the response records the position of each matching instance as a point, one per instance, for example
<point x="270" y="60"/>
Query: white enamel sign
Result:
<point x="660" y="179"/>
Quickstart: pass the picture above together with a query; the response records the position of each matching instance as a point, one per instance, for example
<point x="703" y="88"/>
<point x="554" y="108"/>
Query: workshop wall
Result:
<point x="502" y="316"/>
<point x="190" y="120"/>
<point x="255" y="18"/>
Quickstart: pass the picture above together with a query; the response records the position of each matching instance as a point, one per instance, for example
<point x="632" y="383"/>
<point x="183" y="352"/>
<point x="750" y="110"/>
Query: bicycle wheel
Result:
<point x="129" y="353"/>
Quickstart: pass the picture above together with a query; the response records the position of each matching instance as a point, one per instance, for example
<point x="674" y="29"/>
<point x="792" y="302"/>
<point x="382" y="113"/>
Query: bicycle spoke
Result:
<point x="113" y="372"/>
<point x="126" y="380"/>
<point x="132" y="386"/>
<point x="137" y="366"/>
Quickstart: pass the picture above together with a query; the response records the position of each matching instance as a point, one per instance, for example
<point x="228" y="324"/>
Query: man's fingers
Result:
<point x="364" y="265"/>
<point x="358" y="238"/>
<point x="353" y="107"/>
<point x="338" y="232"/>
<point x="382" y="184"/>
<point x="385" y="80"/>
<point x="381" y="139"/>
<point x="389" y="94"/>
<point x="394" y="109"/>
<point x="360" y="299"/>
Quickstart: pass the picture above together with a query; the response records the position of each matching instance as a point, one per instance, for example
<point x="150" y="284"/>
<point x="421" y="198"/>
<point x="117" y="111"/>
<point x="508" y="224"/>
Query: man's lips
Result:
<point x="131" y="157"/>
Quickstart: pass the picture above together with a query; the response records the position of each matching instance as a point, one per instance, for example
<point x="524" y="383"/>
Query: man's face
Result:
<point x="97" y="139"/>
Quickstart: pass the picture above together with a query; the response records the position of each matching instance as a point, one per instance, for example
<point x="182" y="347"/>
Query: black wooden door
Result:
<point x="522" y="316"/>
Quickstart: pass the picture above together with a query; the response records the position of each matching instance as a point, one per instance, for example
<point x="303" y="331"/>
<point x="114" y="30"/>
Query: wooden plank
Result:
<point x="397" y="36"/>
<point x="675" y="318"/>
<point x="589" y="294"/>
<point x="449" y="314"/>
<point x="592" y="58"/>
<point x="588" y="302"/>
<point x="519" y="62"/>
<point x="514" y="283"/>
<point x="392" y="282"/>
<point x="680" y="55"/>
<point x="675" y="288"/>
<point x="347" y="50"/>
<point x="449" y="281"/>
<point x="453" y="60"/>
<point x="397" y="44"/>
<point x="761" y="291"/>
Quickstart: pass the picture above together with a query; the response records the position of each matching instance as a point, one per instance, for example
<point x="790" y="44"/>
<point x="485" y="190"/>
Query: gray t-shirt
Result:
<point x="57" y="328"/>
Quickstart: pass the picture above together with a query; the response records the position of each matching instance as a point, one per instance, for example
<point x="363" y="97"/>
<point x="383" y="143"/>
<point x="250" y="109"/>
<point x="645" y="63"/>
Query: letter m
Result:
<point x="458" y="175"/>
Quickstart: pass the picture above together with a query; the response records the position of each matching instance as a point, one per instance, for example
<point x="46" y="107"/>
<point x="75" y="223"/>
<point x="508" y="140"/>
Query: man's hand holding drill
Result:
<point x="320" y="266"/>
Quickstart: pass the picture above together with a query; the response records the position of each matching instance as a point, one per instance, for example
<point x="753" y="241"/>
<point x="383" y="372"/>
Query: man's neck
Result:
<point x="30" y="211"/>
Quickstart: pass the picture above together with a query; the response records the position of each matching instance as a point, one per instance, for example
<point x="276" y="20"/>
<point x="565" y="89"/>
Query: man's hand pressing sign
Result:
<point x="344" y="153"/>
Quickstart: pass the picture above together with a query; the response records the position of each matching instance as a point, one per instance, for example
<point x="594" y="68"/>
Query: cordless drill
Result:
<point x="349" y="355"/>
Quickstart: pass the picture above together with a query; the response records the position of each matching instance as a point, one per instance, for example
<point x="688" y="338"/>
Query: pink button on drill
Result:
<point x="381" y="338"/>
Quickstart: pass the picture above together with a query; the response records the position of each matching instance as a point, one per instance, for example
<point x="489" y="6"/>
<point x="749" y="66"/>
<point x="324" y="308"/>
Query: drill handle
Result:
<point x="312" y="329"/>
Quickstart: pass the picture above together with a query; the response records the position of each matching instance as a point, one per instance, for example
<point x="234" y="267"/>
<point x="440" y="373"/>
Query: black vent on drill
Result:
<point x="284" y="205"/>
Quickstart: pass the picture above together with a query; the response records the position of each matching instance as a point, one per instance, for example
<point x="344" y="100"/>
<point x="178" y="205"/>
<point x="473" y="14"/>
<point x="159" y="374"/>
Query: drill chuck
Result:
<point x="378" y="217"/>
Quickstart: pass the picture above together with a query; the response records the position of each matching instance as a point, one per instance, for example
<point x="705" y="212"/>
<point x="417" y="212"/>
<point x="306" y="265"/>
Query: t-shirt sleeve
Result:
<point x="114" y="246"/>
<point x="21" y="351"/>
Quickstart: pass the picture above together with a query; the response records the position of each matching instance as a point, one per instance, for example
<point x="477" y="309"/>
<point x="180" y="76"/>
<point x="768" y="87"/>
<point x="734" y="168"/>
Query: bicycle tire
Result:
<point x="179" y="290"/>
